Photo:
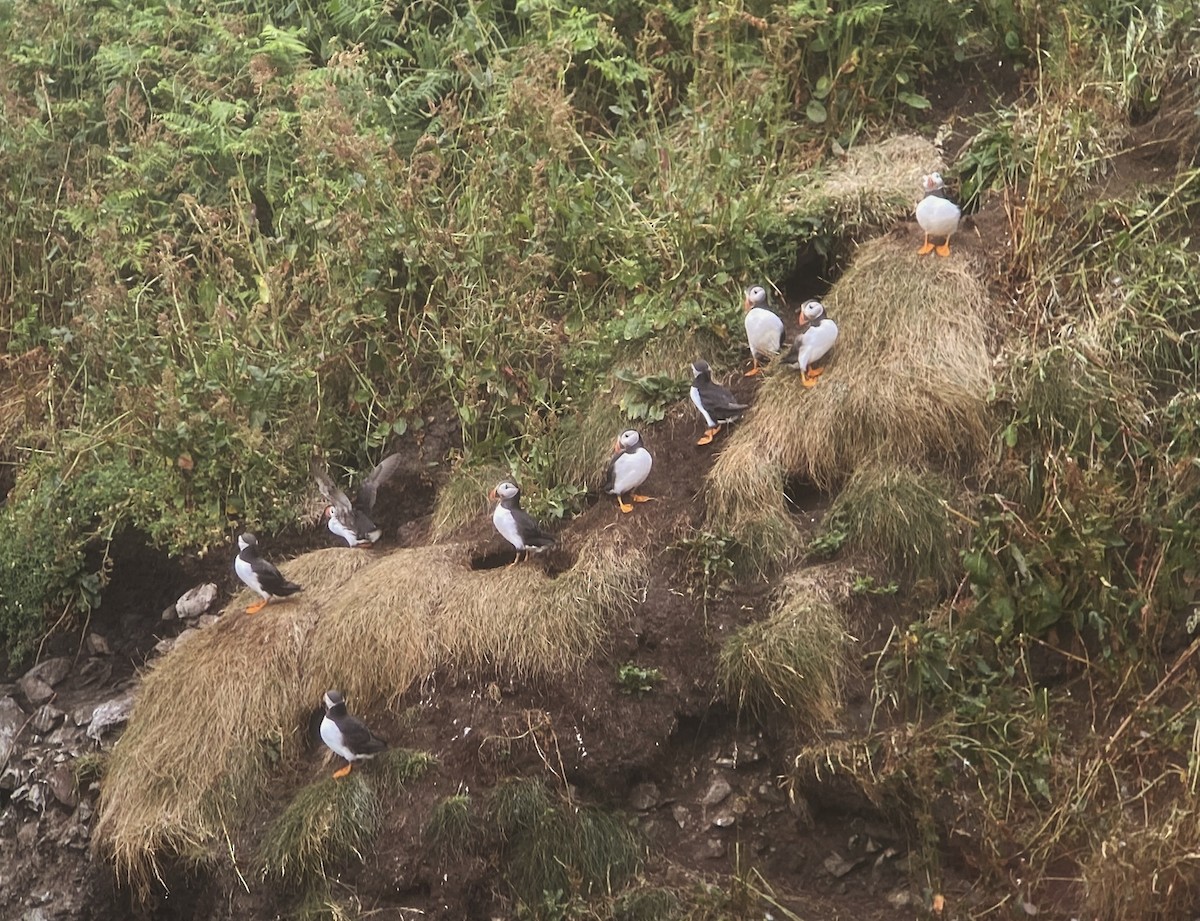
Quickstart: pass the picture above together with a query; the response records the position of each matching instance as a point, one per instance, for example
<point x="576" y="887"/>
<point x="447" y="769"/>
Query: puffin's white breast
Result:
<point x="700" y="406"/>
<point x="506" y="524"/>
<point x="630" y="471"/>
<point x="246" y="573"/>
<point x="332" y="736"/>
<point x="764" y="331"/>
<point x="938" y="216"/>
<point x="345" y="533"/>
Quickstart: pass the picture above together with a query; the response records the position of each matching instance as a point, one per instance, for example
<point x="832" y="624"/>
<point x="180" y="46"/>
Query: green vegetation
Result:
<point x="453" y="830"/>
<point x="634" y="679"/>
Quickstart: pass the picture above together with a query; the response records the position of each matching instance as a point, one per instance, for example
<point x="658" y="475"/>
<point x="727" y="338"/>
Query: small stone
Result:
<point x="83" y="715"/>
<point x="62" y="785"/>
<point x="98" y="645"/>
<point x="681" y="815"/>
<point x="644" y="797"/>
<point x="725" y="820"/>
<point x="901" y="898"/>
<point x="717" y="791"/>
<point x="186" y="637"/>
<point x="109" y="714"/>
<point x="66" y="736"/>
<point x="162" y="647"/>
<point x="46" y="718"/>
<point x="837" y="866"/>
<point x="12" y="718"/>
<point x="51" y="671"/>
<point x="169" y="613"/>
<point x="11" y="779"/>
<point x="206" y="620"/>
<point x="197" y="601"/>
<point x="36" y="691"/>
<point x="715" y="848"/>
<point x="94" y="672"/>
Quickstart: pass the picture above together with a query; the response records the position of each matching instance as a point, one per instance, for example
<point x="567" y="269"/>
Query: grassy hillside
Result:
<point x="239" y="235"/>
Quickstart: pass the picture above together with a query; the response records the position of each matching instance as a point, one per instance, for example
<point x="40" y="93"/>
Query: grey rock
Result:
<point x="901" y="898"/>
<point x="62" y="785"/>
<point x="716" y="793"/>
<point x="644" y="796"/>
<point x="13" y="778"/>
<point x="837" y="866"/>
<point x="186" y="637"/>
<point x="66" y="736"/>
<point x="195" y="602"/>
<point x="206" y="620"/>
<point x="725" y="820"/>
<point x="36" y="691"/>
<point x="35" y="914"/>
<point x="46" y="718"/>
<point x="109" y="714"/>
<point x="83" y="715"/>
<point x="163" y="646"/>
<point x="12" y="718"/>
<point x="51" y="671"/>
<point x="681" y="815"/>
<point x="98" y="645"/>
<point x="715" y="848"/>
<point x="170" y="613"/>
<point x="94" y="672"/>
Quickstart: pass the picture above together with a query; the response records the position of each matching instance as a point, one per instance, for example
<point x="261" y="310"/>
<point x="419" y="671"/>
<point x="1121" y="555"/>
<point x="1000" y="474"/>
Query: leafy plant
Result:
<point x="649" y="396"/>
<point x="634" y="679"/>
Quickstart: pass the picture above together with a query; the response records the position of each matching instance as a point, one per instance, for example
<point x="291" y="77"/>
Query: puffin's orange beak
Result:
<point x="492" y="495"/>
<point x="746" y="303"/>
<point x="801" y="318"/>
<point x="617" y="445"/>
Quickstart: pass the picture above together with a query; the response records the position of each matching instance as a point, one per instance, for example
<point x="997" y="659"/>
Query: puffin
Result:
<point x="515" y="524"/>
<point x="716" y="403"/>
<point x="764" y="330"/>
<point x="260" y="575"/>
<point x="350" y="520"/>
<point x="628" y="468"/>
<point x="937" y="214"/>
<point x="816" y="337"/>
<point x="347" y="736"/>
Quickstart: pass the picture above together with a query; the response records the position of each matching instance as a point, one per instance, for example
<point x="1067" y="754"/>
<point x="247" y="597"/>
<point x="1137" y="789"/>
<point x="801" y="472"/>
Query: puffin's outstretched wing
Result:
<point x="329" y="489"/>
<point x="365" y="500"/>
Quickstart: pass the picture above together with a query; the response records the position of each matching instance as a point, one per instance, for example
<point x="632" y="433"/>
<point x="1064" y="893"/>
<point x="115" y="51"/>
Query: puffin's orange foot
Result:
<point x="943" y="250"/>
<point x="344" y="771"/>
<point x="926" y="248"/>
<point x="708" y="435"/>
<point x="815" y="372"/>
<point x="623" y="507"/>
<point x="255" y="608"/>
<point x="809" y="380"/>
<point x="753" y="371"/>
<point x="637" y="498"/>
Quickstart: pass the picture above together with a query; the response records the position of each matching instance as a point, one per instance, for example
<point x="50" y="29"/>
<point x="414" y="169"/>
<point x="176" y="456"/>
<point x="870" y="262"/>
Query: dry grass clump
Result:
<point x="908" y="380"/>
<point x="902" y="519"/>
<point x="873" y="184"/>
<point x="215" y="714"/>
<point x="464" y="497"/>
<point x="795" y="659"/>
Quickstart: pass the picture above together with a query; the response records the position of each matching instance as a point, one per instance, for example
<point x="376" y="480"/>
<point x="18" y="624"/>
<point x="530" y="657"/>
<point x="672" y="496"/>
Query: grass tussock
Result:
<point x="900" y="518"/>
<point x="907" y="380"/>
<point x="453" y="830"/>
<point x="464" y="497"/>
<point x="326" y="823"/>
<point x="216" y="714"/>
<point x="795" y="659"/>
<point x="550" y="846"/>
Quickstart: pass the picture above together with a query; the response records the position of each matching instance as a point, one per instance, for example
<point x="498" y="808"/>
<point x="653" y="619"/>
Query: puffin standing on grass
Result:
<point x="937" y="215"/>
<point x="764" y="330"/>
<point x="716" y="403"/>
<point x="515" y="524"/>
<point x="628" y="468"/>
<point x="349" y="520"/>
<point x="347" y="736"/>
<point x="816" y="337"/>
<point x="260" y="575"/>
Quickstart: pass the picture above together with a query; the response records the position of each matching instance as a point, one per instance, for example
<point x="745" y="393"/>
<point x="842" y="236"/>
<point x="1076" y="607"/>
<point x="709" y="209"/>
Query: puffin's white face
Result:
<point x="629" y="439"/>
<point x="247" y="540"/>
<point x="507" y="490"/>
<point x="812" y="311"/>
<point x="756" y="297"/>
<point x="932" y="183"/>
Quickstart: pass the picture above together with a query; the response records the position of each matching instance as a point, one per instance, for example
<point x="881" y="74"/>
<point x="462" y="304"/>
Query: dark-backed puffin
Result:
<point x="764" y="330"/>
<point x="628" y="468"/>
<point x="716" y="403"/>
<point x="260" y="575"/>
<point x="937" y="215"/>
<point x="349" y="520"/>
<point x="515" y="524"/>
<point x="816" y="337"/>
<point x="347" y="736"/>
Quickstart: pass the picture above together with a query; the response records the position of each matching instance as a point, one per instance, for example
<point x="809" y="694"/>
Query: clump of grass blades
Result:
<point x="550" y="846"/>
<point x="900" y="518"/>
<point x="453" y="831"/>
<point x="215" y="714"/>
<point x="647" y="904"/>
<point x="795" y="659"/>
<point x="326" y="823"/>
<point x="395" y="768"/>
<point x="908" y="381"/>
<point x="464" y="497"/>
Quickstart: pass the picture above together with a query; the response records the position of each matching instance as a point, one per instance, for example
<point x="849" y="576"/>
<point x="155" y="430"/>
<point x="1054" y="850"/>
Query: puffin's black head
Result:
<point x="629" y="440"/>
<point x="701" y="369"/>
<point x="334" y="700"/>
<point x="247" y="540"/>
<point x="504" y="491"/>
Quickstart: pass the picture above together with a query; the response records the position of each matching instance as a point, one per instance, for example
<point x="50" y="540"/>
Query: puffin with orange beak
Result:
<point x="816" y="337"/>
<point x="627" y="469"/>
<point x="515" y="524"/>
<point x="764" y="330"/>
<point x="350" y="520"/>
<point x="937" y="215"/>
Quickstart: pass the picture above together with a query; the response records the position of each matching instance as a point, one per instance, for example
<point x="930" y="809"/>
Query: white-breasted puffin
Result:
<point x="515" y="524"/>
<point x="260" y="575"/>
<point x="937" y="214"/>
<point x="764" y="330"/>
<point x="628" y="468"/>
<point x="349" y="520"/>
<point x="816" y="337"/>
<point x="716" y="403"/>
<point x="346" y="735"/>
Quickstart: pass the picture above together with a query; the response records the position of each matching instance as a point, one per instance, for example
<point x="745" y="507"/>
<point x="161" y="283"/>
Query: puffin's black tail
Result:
<point x="287" y="588"/>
